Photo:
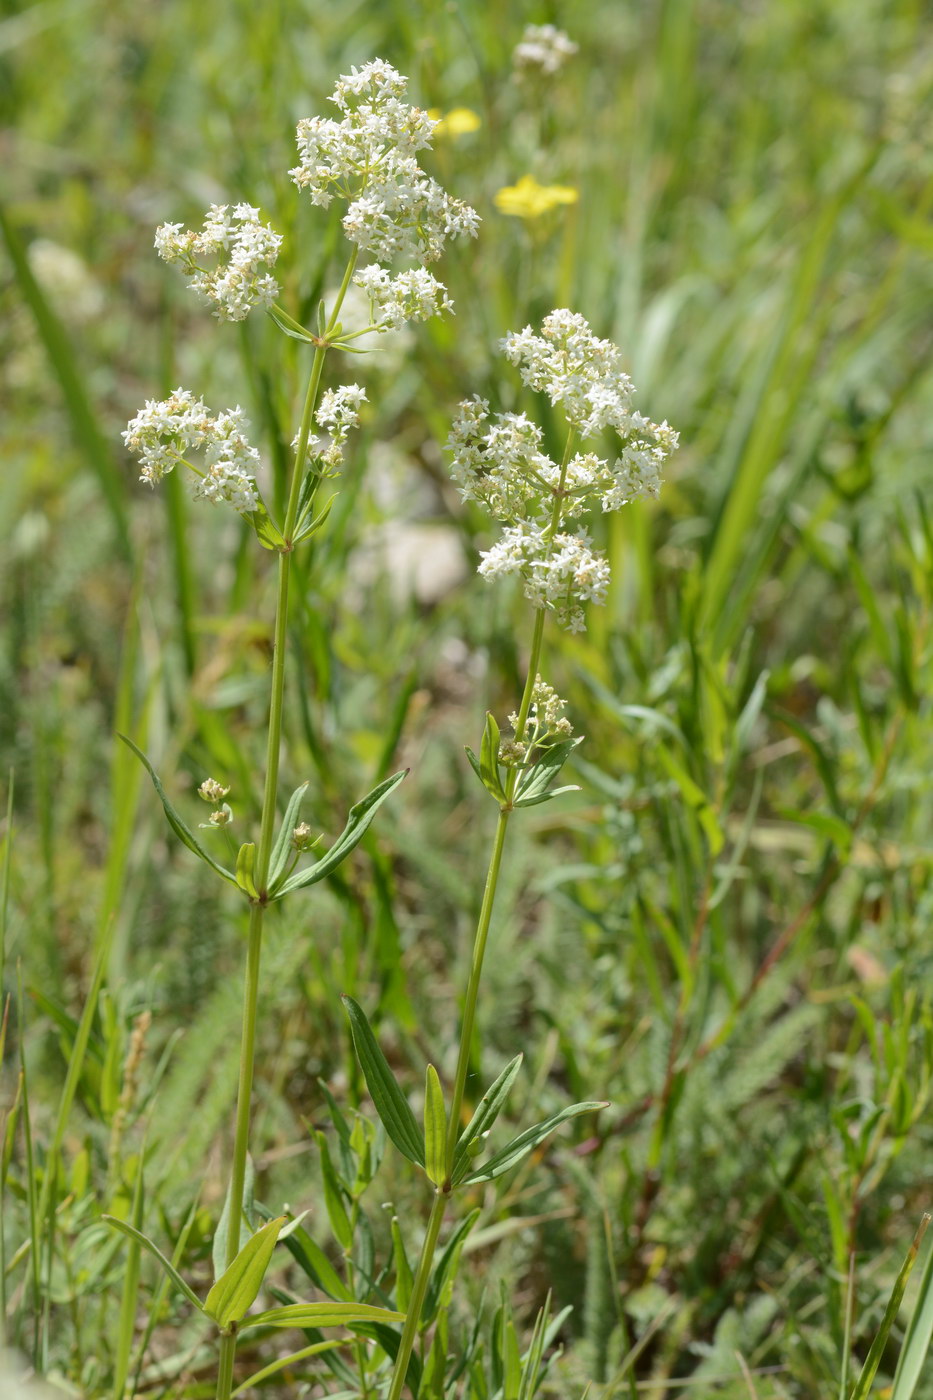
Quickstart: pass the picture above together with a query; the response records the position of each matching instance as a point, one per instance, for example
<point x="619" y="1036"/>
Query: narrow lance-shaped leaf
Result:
<point x="357" y="824"/>
<point x="526" y="1142"/>
<point x="283" y="841"/>
<point x="321" y="1315"/>
<point x="403" y="1275"/>
<point x="862" y="1386"/>
<point x="181" y="830"/>
<point x="390" y="1103"/>
<point x="281" y="1362"/>
<point x="333" y="1198"/>
<point x="304" y="532"/>
<point x="533" y="782"/>
<point x="315" y="1263"/>
<point x="489" y="758"/>
<point x="235" y="1291"/>
<point x="287" y="324"/>
<point x="445" y="1269"/>
<point x="219" y="1242"/>
<point x="547" y="796"/>
<point x="245" y="865"/>
<point x="156" y="1253"/>
<point x="435" y="1128"/>
<point x="487" y="1111"/>
<point x="268" y="535"/>
<point x="917" y="1343"/>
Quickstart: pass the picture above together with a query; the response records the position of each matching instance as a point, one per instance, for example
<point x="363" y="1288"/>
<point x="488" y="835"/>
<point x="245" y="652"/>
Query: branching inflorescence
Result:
<point x="395" y="212"/>
<point x="500" y="462"/>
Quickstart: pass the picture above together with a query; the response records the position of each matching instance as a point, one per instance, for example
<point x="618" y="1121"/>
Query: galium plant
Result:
<point x="367" y="158"/>
<point x="395" y="212"/>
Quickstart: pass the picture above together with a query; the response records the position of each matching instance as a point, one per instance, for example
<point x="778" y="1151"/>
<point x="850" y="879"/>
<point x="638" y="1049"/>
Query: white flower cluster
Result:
<point x="338" y="412"/>
<point x="411" y="296"/>
<point x="546" y="725"/>
<point x="368" y="156"/>
<point x="545" y="47"/>
<point x="500" y="463"/>
<point x="163" y="432"/>
<point x="559" y="571"/>
<point x="243" y="248"/>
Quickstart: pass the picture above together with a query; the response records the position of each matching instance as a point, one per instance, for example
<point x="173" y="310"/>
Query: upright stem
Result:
<point x="266" y="837"/>
<point x="422" y="1274"/>
<point x="416" y="1301"/>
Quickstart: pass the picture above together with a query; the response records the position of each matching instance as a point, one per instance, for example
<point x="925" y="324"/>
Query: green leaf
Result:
<point x="916" y="1349"/>
<point x="268" y="535"/>
<point x="546" y="796"/>
<point x="489" y="759"/>
<point x="391" y="1104"/>
<point x="321" y="1315"/>
<point x="435" y="1128"/>
<point x="282" y="1361"/>
<point x="445" y="1269"/>
<point x="235" y="1291"/>
<point x="283" y="842"/>
<point x="245" y="864"/>
<point x="315" y="1263"/>
<point x="183" y="832"/>
<point x="875" y="1352"/>
<point x="358" y="822"/>
<point x="526" y="1142"/>
<point x="824" y="824"/>
<point x="129" y="1301"/>
<point x="287" y="324"/>
<point x="533" y="782"/>
<point x="318" y="521"/>
<point x="403" y="1275"/>
<point x="156" y="1253"/>
<point x="333" y="1198"/>
<point x="487" y="1111"/>
<point x="219" y="1242"/>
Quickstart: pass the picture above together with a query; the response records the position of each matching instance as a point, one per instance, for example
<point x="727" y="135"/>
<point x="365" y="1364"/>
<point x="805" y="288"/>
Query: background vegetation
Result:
<point x="727" y="932"/>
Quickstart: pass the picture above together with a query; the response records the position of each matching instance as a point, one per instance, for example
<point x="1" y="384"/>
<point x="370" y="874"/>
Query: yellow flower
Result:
<point x="529" y="200"/>
<point x="460" y="121"/>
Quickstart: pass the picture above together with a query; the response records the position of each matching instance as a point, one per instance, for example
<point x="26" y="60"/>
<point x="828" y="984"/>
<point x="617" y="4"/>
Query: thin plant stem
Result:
<point x="419" y="1289"/>
<point x="420" y="1281"/>
<point x="267" y="834"/>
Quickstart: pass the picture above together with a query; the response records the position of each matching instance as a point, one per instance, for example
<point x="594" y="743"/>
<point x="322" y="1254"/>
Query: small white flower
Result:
<point x="239" y="248"/>
<point x="339" y="411"/>
<point x="500" y="463"/>
<point x="411" y="296"/>
<point x="368" y="157"/>
<point x="545" y="47"/>
<point x="212" y="791"/>
<point x="164" y="432"/>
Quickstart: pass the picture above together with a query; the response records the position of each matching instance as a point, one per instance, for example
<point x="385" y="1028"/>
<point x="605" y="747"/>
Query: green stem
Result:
<point x="413" y="1316"/>
<point x="418" y="1290"/>
<point x="472" y="992"/>
<point x="267" y="836"/>
<point x="225" y="1365"/>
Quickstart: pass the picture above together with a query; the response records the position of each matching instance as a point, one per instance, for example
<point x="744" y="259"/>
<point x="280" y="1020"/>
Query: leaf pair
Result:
<point x="236" y="1290"/>
<point x="533" y="783"/>
<point x="424" y="1147"/>
<point x="279" y="883"/>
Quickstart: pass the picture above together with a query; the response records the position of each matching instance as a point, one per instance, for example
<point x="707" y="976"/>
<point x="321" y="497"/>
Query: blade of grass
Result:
<point x="916" y="1349"/>
<point x="863" y="1385"/>
<point x="90" y="440"/>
